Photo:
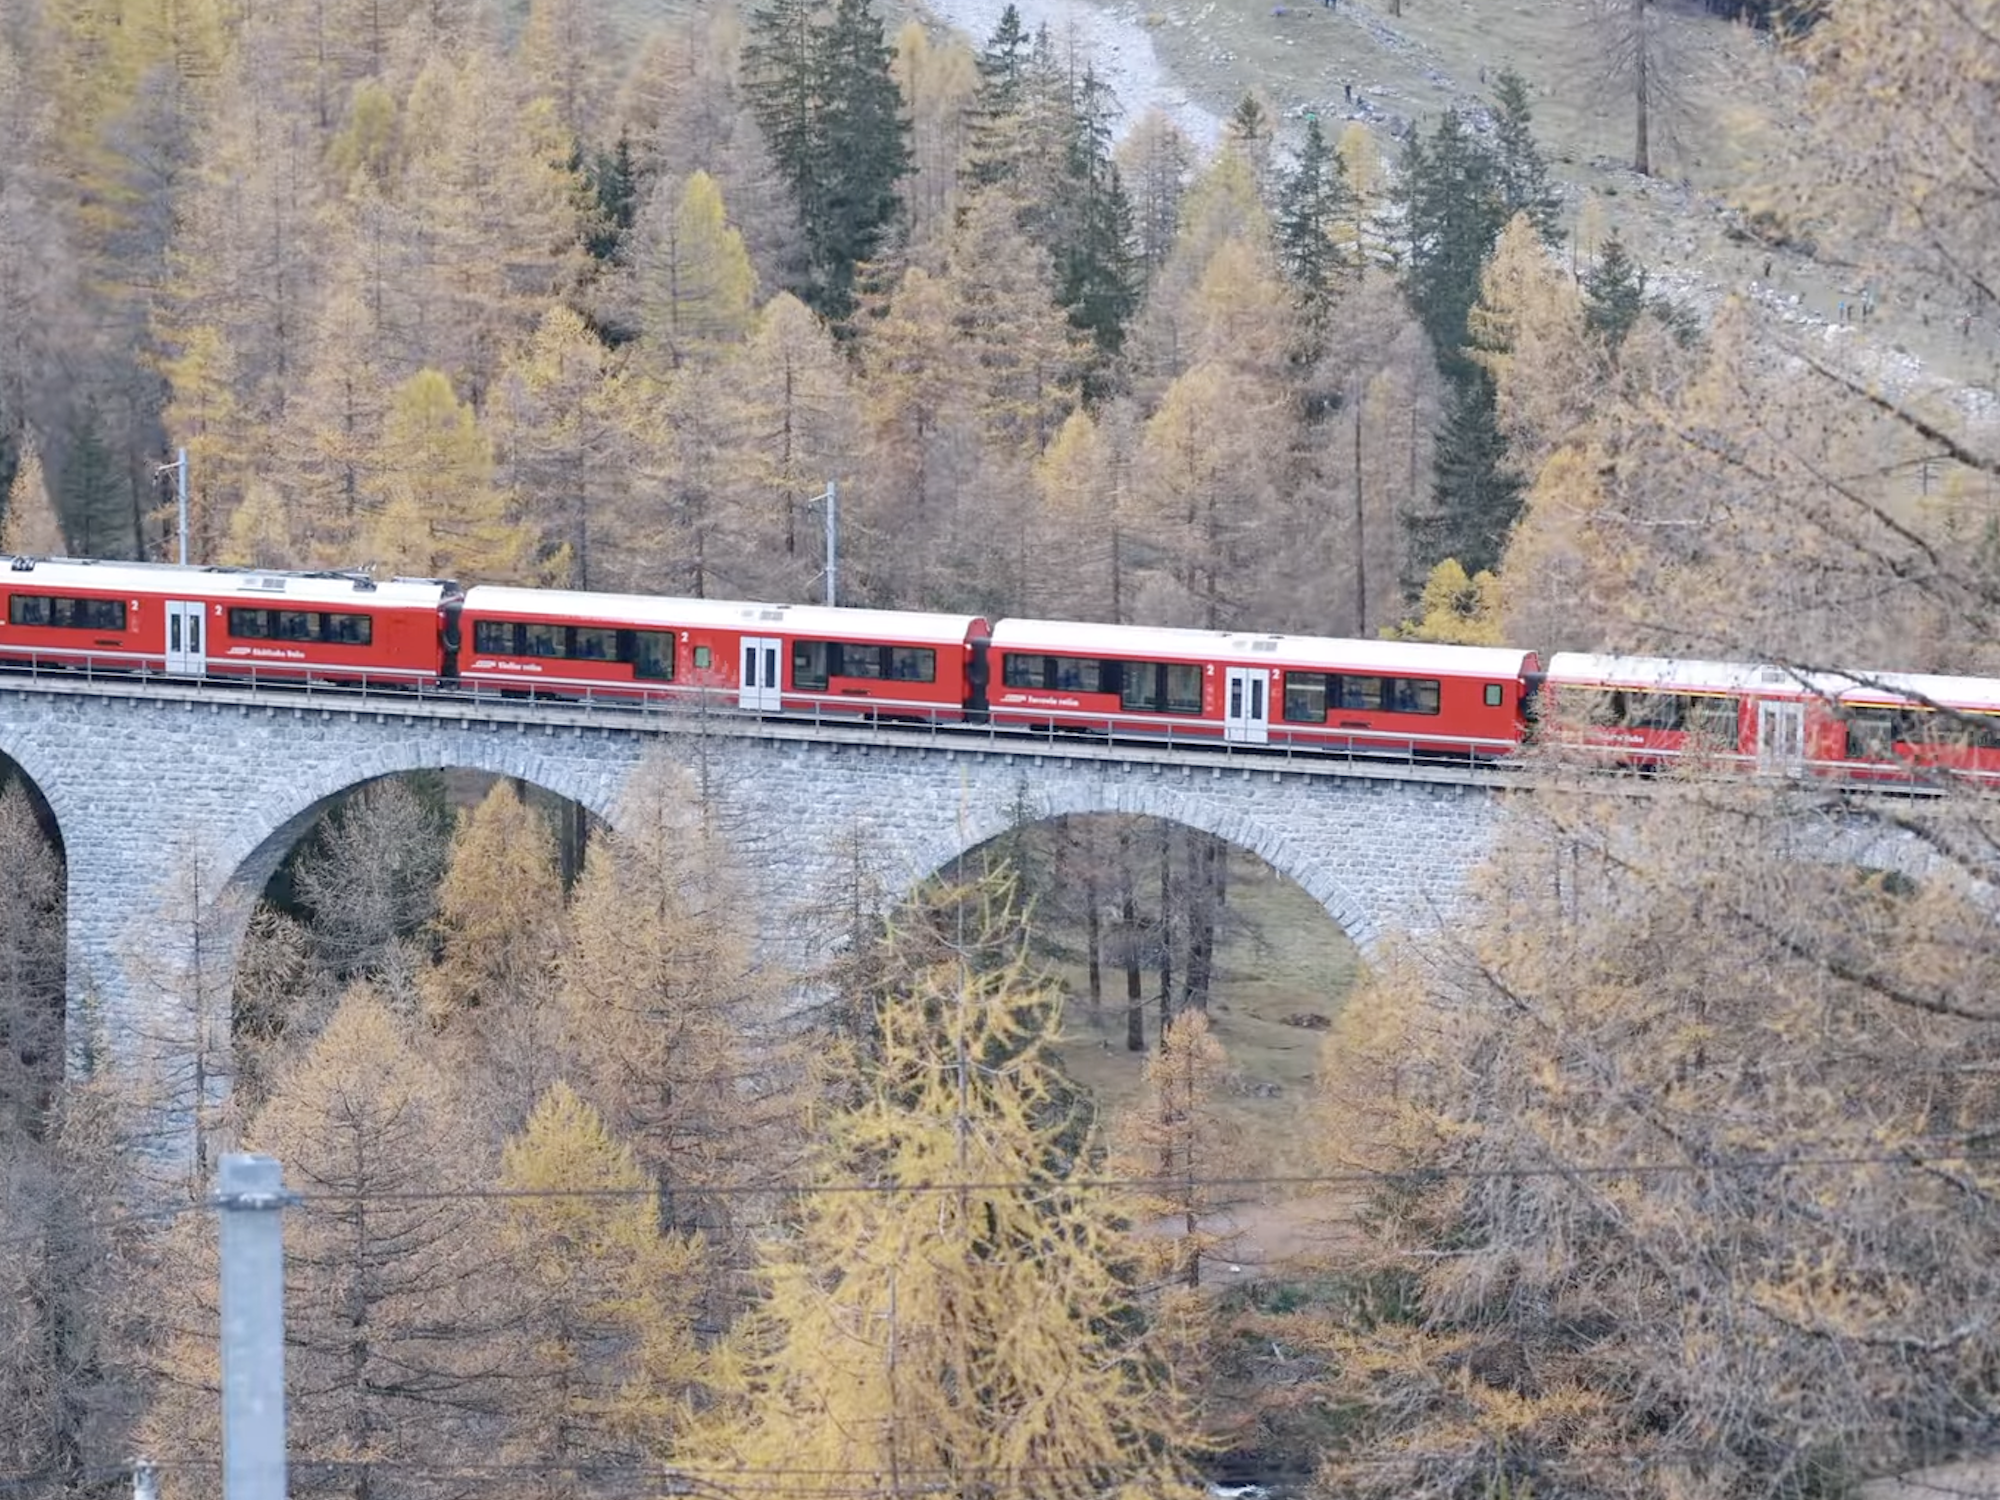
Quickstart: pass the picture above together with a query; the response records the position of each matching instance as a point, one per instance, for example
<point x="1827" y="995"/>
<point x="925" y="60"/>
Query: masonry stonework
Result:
<point x="171" y="800"/>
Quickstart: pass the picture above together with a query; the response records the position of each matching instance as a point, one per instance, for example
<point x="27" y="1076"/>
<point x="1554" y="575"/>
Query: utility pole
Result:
<point x="250" y="1197"/>
<point x="830" y="498"/>
<point x="180" y="471"/>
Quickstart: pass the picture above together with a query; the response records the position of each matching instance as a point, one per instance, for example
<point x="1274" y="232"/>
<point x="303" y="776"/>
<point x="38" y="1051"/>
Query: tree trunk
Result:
<point x="1202" y="903"/>
<point x="1128" y="916"/>
<point x="1093" y="932"/>
<point x="1360" y="532"/>
<point x="1166" y="927"/>
<point x="1642" y="161"/>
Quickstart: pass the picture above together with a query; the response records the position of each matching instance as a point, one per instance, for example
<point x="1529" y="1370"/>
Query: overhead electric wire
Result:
<point x="1358" y="1177"/>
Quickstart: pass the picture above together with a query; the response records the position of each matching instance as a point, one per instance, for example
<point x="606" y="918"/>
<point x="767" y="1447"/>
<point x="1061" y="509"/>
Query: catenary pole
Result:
<point x="832" y="542"/>
<point x="250" y="1198"/>
<point x="181" y="493"/>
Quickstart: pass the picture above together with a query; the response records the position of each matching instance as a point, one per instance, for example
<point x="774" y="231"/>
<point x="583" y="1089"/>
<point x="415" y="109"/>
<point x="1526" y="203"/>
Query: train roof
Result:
<point x="1664" y="674"/>
<point x="1325" y="653"/>
<point x="268" y="587"/>
<point x="644" y="610"/>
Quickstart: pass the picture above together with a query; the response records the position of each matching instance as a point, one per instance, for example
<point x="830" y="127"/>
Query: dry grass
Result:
<point x="1282" y="957"/>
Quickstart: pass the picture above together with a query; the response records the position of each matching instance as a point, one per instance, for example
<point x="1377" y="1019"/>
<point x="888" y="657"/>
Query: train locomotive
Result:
<point x="1301" y="694"/>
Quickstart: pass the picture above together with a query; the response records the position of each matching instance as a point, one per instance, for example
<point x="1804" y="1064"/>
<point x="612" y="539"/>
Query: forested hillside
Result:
<point x="1667" y="1170"/>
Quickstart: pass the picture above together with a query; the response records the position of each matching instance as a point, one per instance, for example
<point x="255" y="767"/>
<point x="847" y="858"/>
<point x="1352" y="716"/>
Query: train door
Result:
<point x="185" y="656"/>
<point x="1781" y="738"/>
<point x="760" y="687"/>
<point x="1246" y="717"/>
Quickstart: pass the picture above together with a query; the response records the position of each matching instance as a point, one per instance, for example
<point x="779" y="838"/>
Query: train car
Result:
<point x="223" y="622"/>
<point x="1353" y="696"/>
<point x="1650" y="713"/>
<point x="767" y="658"/>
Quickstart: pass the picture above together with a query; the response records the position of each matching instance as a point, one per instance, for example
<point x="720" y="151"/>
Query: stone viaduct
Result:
<point x="175" y="799"/>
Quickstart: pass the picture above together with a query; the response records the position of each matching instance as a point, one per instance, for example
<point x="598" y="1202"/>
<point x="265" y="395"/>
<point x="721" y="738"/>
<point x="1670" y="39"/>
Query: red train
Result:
<point x="1300" y="692"/>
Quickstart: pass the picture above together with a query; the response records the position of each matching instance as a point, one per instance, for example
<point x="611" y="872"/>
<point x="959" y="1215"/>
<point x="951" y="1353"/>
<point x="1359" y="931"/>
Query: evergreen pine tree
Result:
<point x="781" y="77"/>
<point x="1476" y="494"/>
<point x="1003" y="84"/>
<point x="1521" y="171"/>
<point x="1092" y="243"/>
<point x="1250" y="122"/>
<point x="1313" y="202"/>
<point x="96" y="508"/>
<point x="1453" y="212"/>
<point x="863" y="151"/>
<point x="1614" y="293"/>
<point x="612" y="182"/>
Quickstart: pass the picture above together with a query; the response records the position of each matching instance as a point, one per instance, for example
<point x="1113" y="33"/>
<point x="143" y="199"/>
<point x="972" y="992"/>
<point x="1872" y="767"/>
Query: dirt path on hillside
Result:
<point x="1116" y="44"/>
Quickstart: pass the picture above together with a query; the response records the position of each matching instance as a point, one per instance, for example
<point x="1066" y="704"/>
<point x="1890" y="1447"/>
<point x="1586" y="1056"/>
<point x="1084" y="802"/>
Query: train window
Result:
<point x="68" y="614"/>
<point x="1412" y="695"/>
<point x="808" y="664"/>
<point x="347" y="630"/>
<point x="294" y="625"/>
<point x="1363" y="693"/>
<point x="1594" y="705"/>
<point x="1078" y="674"/>
<point x="1714" y="720"/>
<point x="1141" y="685"/>
<point x="912" y="664"/>
<point x="539" y="639"/>
<point x="652" y="653"/>
<point x="1653" y="711"/>
<point x="1017" y="670"/>
<point x="1183" y="688"/>
<point x="1871" y="734"/>
<point x="702" y="657"/>
<point x="1305" y="697"/>
<point x="1495" y="695"/>
<point x="592" y="643"/>
<point x="857" y="661"/>
<point x="496" y="636"/>
<point x="250" y="624"/>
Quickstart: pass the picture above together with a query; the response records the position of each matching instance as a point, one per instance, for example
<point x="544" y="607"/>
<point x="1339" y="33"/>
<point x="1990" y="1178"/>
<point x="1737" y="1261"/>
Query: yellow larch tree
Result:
<point x="204" y="416"/>
<point x="395" y="1306"/>
<point x="260" y="531"/>
<point x="500" y="910"/>
<point x="1528" y="331"/>
<point x="1207" y="468"/>
<point x="671" y="531"/>
<point x="1019" y="354"/>
<point x="1456" y="609"/>
<point x="1157" y="160"/>
<point x="232" y="312"/>
<point x="604" y="1301"/>
<point x="792" y="412"/>
<point x="1174" y="1145"/>
<point x="31" y="527"/>
<point x="1361" y="163"/>
<point x="959" y="1325"/>
<point x="692" y="281"/>
<point x="556" y="420"/>
<point x="1077" y="525"/>
<point x="441" y="514"/>
<point x="669" y="1016"/>
<point x="916" y="393"/>
<point x="1222" y="205"/>
<point x="565" y="53"/>
<point x="502" y="227"/>
<point x="939" y="80"/>
<point x="327" y="449"/>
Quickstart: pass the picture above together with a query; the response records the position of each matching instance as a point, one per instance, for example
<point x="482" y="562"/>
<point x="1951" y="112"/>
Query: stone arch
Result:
<point x="253" y="854"/>
<point x="980" y="824"/>
<point x="45" y="779"/>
